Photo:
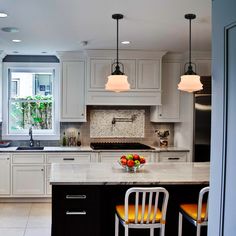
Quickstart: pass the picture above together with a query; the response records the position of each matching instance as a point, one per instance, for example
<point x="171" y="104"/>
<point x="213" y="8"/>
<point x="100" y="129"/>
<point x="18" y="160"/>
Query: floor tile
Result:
<point x="12" y="232"/>
<point x="38" y="232"/>
<point x="14" y="215"/>
<point x="40" y="216"/>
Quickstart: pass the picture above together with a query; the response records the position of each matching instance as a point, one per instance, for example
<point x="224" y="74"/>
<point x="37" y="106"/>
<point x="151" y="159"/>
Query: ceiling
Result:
<point x="60" y="25"/>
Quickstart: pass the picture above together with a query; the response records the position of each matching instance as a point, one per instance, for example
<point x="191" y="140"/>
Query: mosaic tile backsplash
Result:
<point x="117" y="123"/>
<point x="149" y="138"/>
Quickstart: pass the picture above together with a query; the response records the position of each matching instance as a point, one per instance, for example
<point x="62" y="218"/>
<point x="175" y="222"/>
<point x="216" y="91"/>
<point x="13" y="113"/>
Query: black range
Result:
<point x="117" y="146"/>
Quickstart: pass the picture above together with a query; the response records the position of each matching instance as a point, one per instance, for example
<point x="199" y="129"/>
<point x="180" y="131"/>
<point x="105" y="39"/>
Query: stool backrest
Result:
<point x="202" y="193"/>
<point x="148" y="198"/>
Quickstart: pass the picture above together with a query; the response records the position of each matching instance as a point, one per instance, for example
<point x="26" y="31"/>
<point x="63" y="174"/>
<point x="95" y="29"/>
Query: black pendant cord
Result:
<point x="190" y="39"/>
<point x="117" y="42"/>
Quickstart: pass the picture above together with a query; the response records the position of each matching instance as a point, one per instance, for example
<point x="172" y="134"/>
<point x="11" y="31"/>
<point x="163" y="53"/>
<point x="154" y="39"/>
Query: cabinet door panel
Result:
<point x="129" y="70"/>
<point x="148" y="74"/>
<point x="73" y="91"/>
<point x="170" y="94"/>
<point x="169" y="110"/>
<point x="100" y="69"/>
<point x="28" y="180"/>
<point x="5" y="174"/>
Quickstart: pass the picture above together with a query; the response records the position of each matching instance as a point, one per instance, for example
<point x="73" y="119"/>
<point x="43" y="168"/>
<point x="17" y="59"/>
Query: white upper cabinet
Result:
<point x="144" y="75"/>
<point x="99" y="70"/>
<point x="73" y="107"/>
<point x="149" y="74"/>
<point x="169" y="110"/>
<point x="130" y="71"/>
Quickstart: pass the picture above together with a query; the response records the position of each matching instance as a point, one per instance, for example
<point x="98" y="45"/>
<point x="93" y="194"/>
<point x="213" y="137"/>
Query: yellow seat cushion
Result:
<point x="120" y="209"/>
<point x="191" y="210"/>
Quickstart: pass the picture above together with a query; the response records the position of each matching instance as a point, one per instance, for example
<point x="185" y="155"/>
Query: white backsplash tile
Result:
<point x="101" y="123"/>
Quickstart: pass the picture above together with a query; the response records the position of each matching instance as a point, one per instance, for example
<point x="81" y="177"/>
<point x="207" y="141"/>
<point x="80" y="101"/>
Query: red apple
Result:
<point x="123" y="161"/>
<point x="142" y="160"/>
<point x="123" y="157"/>
<point x="136" y="157"/>
<point x="130" y="163"/>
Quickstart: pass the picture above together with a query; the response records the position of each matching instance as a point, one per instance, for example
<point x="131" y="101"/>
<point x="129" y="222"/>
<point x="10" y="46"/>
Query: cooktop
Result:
<point x="117" y="146"/>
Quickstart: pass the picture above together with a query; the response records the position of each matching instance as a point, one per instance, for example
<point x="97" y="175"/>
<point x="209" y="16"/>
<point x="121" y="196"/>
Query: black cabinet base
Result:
<point x="80" y="210"/>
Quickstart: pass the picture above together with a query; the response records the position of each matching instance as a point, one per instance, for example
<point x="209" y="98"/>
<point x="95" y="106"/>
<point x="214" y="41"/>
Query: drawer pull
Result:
<point x="75" y="196"/>
<point x="71" y="213"/>
<point x="68" y="159"/>
<point x="173" y="158"/>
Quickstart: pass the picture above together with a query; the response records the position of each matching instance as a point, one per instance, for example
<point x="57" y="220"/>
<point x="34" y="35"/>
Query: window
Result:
<point x="31" y="100"/>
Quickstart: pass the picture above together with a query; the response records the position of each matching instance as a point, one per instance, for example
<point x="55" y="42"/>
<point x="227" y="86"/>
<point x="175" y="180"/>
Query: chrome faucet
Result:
<point x="31" y="142"/>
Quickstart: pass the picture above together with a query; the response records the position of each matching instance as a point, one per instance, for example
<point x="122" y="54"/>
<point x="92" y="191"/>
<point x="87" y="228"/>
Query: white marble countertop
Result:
<point x="114" y="174"/>
<point x="89" y="149"/>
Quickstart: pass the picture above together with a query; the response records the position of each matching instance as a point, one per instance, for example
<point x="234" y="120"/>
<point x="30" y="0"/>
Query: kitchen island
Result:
<point x="84" y="195"/>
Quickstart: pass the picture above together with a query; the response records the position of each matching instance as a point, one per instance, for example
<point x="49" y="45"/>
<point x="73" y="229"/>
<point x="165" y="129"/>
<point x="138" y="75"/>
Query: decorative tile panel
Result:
<point x="117" y="123"/>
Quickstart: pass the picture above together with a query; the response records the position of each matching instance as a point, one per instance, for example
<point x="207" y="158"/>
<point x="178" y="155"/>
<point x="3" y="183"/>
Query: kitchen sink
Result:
<point x="29" y="148"/>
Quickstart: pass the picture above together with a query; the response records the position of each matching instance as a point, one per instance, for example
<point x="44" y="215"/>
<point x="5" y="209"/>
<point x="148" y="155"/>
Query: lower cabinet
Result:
<point x="75" y="211"/>
<point x="81" y="157"/>
<point x="5" y="174"/>
<point x="28" y="180"/>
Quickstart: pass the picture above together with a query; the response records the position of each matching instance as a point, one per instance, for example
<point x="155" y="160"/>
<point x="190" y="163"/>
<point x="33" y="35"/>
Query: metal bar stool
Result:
<point x="197" y="214"/>
<point x="148" y="210"/>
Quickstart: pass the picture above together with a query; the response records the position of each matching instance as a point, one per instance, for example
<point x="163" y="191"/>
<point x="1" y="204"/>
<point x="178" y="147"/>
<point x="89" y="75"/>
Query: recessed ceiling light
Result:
<point x="10" y="29"/>
<point x="3" y="14"/>
<point x="125" y="42"/>
<point x="16" y="40"/>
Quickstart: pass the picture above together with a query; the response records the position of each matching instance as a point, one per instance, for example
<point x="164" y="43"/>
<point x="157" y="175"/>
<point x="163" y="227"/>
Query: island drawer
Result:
<point x="172" y="156"/>
<point x="28" y="158"/>
<point x="73" y="197"/>
<point x="75" y="208"/>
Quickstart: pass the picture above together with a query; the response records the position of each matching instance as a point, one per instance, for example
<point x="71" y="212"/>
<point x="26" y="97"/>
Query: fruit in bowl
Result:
<point x="132" y="162"/>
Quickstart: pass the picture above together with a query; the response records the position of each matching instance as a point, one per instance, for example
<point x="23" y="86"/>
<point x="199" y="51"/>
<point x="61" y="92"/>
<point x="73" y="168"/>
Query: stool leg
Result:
<point x="116" y="226"/>
<point x="126" y="230"/>
<point x="198" y="229"/>
<point x="151" y="232"/>
<point x="163" y="230"/>
<point x="180" y="224"/>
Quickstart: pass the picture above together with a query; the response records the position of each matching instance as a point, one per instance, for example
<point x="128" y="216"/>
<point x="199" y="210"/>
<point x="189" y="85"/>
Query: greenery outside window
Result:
<point x="32" y="101"/>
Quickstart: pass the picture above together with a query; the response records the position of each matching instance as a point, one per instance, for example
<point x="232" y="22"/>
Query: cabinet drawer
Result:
<point x="172" y="156"/>
<point x="68" y="157"/>
<point x="114" y="156"/>
<point x="28" y="158"/>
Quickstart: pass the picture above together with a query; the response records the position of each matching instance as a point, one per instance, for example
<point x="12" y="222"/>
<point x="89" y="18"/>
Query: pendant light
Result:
<point x="190" y="81"/>
<point x="117" y="81"/>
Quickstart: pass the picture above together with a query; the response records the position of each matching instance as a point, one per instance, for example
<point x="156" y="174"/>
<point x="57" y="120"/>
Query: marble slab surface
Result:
<point x="114" y="174"/>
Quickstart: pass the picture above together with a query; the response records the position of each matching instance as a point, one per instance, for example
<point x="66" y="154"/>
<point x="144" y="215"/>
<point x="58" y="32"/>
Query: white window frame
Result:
<point x="37" y="134"/>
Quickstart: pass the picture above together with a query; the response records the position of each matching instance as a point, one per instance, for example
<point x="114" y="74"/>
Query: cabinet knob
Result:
<point x="82" y="114"/>
<point x="160" y="114"/>
<point x="42" y="169"/>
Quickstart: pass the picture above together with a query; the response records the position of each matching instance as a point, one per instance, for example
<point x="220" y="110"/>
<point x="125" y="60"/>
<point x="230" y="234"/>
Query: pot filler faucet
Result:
<point x="31" y="142"/>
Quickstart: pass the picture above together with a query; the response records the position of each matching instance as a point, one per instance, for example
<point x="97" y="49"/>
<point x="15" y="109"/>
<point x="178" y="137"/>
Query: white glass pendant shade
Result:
<point x="117" y="83"/>
<point x="190" y="83"/>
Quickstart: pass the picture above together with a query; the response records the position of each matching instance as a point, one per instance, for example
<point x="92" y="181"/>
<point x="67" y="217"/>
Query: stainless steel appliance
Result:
<point x="202" y="121"/>
<point x="121" y="146"/>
